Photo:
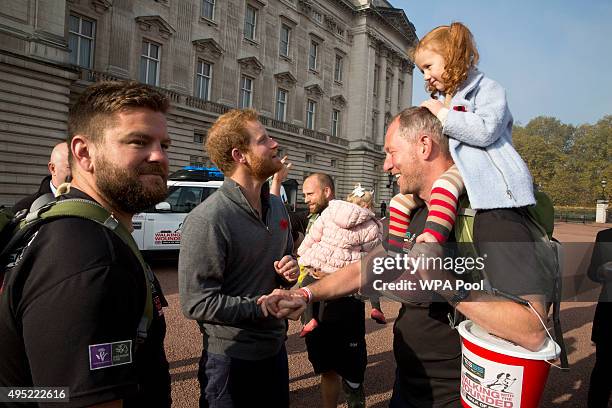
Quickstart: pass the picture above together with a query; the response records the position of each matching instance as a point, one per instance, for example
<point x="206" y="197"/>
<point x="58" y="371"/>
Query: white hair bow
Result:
<point x="358" y="191"/>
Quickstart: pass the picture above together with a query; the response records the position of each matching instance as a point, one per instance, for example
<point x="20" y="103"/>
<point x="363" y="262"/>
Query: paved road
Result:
<point x="564" y="390"/>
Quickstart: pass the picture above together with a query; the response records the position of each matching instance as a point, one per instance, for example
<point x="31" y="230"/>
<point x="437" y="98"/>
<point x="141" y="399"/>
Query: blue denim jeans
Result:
<point x="227" y="382"/>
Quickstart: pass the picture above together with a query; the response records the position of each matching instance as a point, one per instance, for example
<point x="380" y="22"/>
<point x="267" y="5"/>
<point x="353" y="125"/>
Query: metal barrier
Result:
<point x="575" y="217"/>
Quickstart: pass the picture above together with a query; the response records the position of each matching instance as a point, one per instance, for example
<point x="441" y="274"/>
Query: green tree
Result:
<point x="539" y="155"/>
<point x="552" y="131"/>
<point x="567" y="162"/>
<point x="592" y="155"/>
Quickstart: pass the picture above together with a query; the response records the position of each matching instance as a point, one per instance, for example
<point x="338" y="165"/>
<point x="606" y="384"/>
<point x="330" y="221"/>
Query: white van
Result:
<point x="159" y="228"/>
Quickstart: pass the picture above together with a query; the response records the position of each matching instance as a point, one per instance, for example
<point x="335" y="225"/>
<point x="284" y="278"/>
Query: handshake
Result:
<point x="283" y="304"/>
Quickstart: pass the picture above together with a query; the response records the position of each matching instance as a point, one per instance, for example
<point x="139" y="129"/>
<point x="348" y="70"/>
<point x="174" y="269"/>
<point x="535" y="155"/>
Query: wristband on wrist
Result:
<point x="307" y="293"/>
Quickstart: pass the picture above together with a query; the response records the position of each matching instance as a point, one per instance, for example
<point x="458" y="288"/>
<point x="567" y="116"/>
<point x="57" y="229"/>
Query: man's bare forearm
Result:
<point x="508" y="320"/>
<point x="343" y="282"/>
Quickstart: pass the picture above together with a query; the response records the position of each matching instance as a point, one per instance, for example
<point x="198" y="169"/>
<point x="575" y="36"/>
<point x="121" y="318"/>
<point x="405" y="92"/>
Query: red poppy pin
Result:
<point x="284" y="224"/>
<point x="460" y="108"/>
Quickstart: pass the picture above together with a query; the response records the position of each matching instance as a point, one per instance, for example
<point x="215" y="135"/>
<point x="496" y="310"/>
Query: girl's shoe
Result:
<point x="378" y="316"/>
<point x="310" y="326"/>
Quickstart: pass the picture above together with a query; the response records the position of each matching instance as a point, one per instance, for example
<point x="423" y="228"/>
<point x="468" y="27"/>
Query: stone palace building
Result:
<point x="326" y="77"/>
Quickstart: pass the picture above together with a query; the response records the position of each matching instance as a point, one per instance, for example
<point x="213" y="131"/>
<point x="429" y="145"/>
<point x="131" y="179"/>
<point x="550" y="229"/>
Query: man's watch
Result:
<point x="459" y="297"/>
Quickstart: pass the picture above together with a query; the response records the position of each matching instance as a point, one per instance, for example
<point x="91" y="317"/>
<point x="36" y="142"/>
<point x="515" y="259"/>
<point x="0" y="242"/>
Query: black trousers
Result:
<point x="601" y="385"/>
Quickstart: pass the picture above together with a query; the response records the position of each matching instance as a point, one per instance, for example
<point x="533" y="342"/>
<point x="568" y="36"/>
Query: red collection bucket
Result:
<point x="497" y="373"/>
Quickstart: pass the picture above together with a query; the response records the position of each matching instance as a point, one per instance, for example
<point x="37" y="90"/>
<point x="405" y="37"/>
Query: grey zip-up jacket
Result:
<point x="226" y="263"/>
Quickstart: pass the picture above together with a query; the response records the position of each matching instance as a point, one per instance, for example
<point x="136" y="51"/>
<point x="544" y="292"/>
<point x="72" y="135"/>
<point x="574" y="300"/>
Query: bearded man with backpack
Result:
<point x="79" y="308"/>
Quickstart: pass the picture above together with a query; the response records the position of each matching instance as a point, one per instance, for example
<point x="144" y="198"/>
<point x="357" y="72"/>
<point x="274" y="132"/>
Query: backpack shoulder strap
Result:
<point x="89" y="210"/>
<point x="464" y="226"/>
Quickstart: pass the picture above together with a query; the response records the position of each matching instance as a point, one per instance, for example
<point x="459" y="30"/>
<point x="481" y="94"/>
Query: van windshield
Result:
<point x="183" y="199"/>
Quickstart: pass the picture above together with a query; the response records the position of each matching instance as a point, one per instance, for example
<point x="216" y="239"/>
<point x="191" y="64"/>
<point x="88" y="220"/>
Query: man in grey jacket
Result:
<point x="236" y="246"/>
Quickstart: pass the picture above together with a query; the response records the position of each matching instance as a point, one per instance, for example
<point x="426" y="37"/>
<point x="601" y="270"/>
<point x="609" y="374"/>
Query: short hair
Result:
<point x="415" y="119"/>
<point x="227" y="133"/>
<point x="93" y="110"/>
<point x="324" y="180"/>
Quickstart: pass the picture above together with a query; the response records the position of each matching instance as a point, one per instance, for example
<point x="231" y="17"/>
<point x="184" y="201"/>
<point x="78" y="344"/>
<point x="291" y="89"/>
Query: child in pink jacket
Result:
<point x="344" y="232"/>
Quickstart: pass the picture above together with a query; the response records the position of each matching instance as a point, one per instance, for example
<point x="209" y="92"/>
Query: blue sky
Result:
<point x="553" y="57"/>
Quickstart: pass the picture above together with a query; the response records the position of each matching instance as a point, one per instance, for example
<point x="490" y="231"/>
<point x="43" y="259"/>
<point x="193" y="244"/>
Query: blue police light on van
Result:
<point x="197" y="173"/>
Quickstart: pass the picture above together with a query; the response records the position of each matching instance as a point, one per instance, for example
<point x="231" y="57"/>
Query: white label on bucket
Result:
<point x="489" y="384"/>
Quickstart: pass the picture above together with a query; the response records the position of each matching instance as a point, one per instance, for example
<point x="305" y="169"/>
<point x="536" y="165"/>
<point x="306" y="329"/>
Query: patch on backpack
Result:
<point x="110" y="354"/>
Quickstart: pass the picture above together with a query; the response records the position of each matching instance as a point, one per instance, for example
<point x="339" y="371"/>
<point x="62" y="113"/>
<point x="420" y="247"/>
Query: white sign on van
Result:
<point x="167" y="238"/>
<point x="489" y="384"/>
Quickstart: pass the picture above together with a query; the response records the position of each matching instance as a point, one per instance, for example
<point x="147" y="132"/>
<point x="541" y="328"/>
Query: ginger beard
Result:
<point x="124" y="189"/>
<point x="317" y="207"/>
<point x="262" y="168"/>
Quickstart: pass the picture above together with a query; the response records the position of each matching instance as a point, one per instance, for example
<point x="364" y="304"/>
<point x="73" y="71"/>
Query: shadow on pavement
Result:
<point x="187" y="375"/>
<point x="573" y="317"/>
<point x="379" y="378"/>
<point x="569" y="389"/>
<point x="183" y="363"/>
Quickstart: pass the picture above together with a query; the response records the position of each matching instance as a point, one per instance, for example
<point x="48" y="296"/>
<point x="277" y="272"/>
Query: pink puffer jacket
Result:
<point x="341" y="235"/>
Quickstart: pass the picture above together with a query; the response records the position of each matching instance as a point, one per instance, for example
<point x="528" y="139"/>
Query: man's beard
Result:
<point x="319" y="206"/>
<point x="262" y="168"/>
<point x="123" y="189"/>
